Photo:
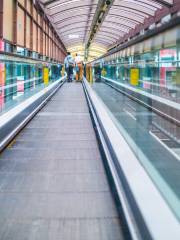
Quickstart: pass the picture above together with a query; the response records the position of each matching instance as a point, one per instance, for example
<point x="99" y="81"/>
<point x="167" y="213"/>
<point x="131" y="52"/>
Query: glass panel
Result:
<point x="152" y="77"/>
<point x="19" y="80"/>
<point x="170" y="38"/>
<point x="148" y="45"/>
<point x="157" y="42"/>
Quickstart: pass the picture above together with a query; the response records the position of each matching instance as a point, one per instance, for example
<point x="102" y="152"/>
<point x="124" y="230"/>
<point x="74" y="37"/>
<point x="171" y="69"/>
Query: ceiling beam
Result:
<point x="43" y="9"/>
<point x="49" y="2"/>
<point x="99" y="16"/>
<point x="164" y="3"/>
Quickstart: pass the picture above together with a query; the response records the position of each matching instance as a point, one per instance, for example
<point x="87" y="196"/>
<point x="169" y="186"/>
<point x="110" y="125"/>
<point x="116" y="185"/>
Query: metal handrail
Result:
<point x="18" y="83"/>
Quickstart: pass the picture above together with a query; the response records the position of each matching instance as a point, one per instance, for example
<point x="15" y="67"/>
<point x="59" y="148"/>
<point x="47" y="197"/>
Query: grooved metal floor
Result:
<point x="52" y="181"/>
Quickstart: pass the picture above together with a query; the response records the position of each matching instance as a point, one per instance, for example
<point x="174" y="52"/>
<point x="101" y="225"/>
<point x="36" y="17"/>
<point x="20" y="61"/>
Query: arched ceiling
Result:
<point x="73" y="20"/>
<point x="125" y="15"/>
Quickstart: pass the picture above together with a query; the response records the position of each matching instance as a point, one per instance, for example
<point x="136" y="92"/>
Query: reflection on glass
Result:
<point x="150" y="68"/>
<point x="157" y="62"/>
<point x="20" y="80"/>
<point x="2" y="84"/>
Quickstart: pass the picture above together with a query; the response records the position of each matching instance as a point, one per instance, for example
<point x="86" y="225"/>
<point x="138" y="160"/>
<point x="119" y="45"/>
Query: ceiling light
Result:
<point x="64" y="3"/>
<point x="73" y="36"/>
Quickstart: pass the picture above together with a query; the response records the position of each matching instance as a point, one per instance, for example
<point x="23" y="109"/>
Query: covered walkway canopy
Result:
<point x="103" y="23"/>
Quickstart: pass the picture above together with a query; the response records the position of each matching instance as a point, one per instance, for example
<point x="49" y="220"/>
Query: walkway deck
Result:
<point x="52" y="181"/>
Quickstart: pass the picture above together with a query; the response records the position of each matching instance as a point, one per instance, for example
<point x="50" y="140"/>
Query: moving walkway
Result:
<point x="67" y="172"/>
<point x="52" y="181"/>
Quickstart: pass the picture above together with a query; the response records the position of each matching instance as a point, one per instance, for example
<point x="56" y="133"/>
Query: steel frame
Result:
<point x="57" y="45"/>
<point x="135" y="17"/>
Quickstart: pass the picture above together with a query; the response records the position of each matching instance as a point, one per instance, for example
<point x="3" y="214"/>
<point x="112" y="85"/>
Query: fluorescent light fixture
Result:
<point x="73" y="36"/>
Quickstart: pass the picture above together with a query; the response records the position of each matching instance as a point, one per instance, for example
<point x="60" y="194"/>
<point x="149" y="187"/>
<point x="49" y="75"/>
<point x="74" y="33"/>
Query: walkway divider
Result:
<point x="15" y="119"/>
<point x="155" y="103"/>
<point x="145" y="210"/>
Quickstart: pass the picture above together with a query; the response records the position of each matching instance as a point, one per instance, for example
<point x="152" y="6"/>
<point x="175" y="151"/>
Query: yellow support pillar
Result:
<point x="90" y="75"/>
<point x="46" y="75"/>
<point x="134" y="76"/>
<point x="63" y="71"/>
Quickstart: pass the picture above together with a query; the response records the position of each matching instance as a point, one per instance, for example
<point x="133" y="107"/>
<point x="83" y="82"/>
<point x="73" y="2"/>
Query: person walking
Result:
<point x="69" y="66"/>
<point x="79" y="67"/>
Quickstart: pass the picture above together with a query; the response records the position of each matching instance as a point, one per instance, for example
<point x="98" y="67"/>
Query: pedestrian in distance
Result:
<point x="69" y="64"/>
<point x="79" y="67"/>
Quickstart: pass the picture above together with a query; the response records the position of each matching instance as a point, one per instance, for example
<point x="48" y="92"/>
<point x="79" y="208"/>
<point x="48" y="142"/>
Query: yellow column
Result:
<point x="46" y="75"/>
<point x="134" y="76"/>
<point x="90" y="75"/>
<point x="63" y="71"/>
<point x="103" y="72"/>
